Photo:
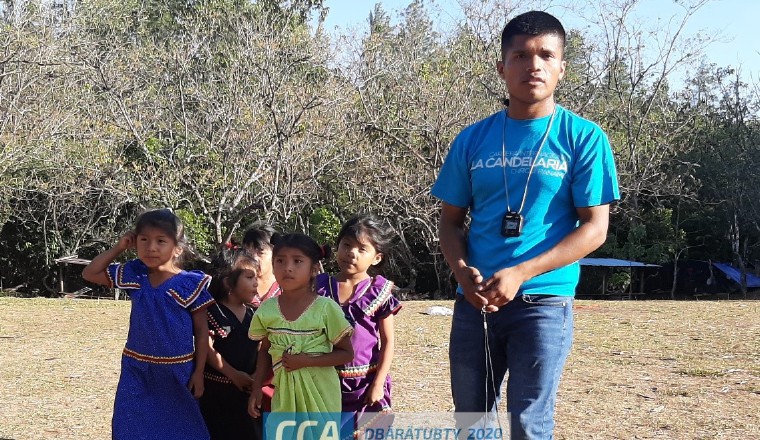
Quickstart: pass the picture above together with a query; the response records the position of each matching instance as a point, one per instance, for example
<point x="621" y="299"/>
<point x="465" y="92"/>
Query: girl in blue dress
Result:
<point x="165" y="354"/>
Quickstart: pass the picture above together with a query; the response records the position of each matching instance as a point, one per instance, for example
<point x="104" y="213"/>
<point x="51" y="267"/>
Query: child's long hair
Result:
<point x="369" y="227"/>
<point x="225" y="269"/>
<point x="168" y="222"/>
<point x="302" y="242"/>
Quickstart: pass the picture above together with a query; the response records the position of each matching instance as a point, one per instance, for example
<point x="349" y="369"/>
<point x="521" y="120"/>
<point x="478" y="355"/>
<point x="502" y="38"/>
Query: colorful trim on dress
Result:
<point x="110" y="280"/>
<point x="292" y="332"/>
<point x="346" y="332"/>
<point x="214" y="329"/>
<point x="120" y="283"/>
<point x="356" y="371"/>
<point x="256" y="337"/>
<point x="382" y="297"/>
<point x="394" y="311"/>
<point x="158" y="359"/>
<point x="197" y="307"/>
<point x="216" y="378"/>
<point x="193" y="296"/>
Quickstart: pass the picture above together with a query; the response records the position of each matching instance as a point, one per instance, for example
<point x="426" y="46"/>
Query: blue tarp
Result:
<point x="613" y="262"/>
<point x="735" y="275"/>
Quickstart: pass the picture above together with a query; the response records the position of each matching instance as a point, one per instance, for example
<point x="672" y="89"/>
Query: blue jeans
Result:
<point x="530" y="337"/>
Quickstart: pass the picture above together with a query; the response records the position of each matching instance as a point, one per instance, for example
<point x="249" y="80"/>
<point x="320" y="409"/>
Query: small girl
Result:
<point x="258" y="241"/>
<point x="232" y="355"/>
<point x="369" y="303"/>
<point x="163" y="360"/>
<point x="303" y="335"/>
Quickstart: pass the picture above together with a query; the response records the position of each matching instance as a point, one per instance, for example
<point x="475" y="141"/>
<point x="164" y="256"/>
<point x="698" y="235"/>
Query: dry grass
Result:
<point x="638" y="370"/>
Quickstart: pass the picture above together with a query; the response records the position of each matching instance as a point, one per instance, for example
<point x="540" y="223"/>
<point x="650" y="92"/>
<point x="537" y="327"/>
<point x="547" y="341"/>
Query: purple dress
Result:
<point x="372" y="301"/>
<point x="152" y="398"/>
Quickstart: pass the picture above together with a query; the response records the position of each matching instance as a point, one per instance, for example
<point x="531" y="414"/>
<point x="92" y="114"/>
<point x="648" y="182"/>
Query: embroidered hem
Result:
<point x="158" y="359"/>
<point x="216" y="378"/>
<point x="356" y="371"/>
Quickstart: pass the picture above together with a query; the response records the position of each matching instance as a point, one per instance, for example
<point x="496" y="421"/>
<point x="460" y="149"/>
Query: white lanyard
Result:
<point x="532" y="165"/>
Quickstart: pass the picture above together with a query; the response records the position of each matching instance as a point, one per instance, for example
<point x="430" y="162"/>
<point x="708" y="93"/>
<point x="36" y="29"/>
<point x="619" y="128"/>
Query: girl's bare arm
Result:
<point x="95" y="272"/>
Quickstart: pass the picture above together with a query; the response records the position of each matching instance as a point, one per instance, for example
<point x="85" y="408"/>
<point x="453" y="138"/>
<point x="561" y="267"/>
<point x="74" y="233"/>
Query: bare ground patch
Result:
<point x="638" y="370"/>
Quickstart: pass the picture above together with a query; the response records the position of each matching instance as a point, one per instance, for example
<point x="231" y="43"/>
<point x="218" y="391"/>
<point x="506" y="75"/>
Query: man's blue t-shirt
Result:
<point x="575" y="168"/>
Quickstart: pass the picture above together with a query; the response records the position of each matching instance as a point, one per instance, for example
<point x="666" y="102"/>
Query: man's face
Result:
<point x="532" y="67"/>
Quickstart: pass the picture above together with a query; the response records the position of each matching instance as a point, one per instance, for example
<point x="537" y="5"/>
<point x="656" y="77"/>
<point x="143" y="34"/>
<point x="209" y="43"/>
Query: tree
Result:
<point x="415" y="90"/>
<point x="227" y="112"/>
<point x="729" y="144"/>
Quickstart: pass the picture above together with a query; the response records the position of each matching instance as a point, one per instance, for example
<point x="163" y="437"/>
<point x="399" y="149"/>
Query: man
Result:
<point x="537" y="181"/>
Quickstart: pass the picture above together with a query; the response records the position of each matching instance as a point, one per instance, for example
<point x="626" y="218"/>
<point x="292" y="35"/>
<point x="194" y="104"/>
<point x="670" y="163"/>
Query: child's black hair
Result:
<point x="227" y="265"/>
<point x="258" y="236"/>
<point x="533" y="23"/>
<point x="369" y="227"/>
<point x="303" y="243"/>
<point x="166" y="221"/>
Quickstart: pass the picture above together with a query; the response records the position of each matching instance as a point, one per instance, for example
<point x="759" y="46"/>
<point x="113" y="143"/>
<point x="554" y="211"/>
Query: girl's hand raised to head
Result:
<point x="95" y="272"/>
<point x="127" y="241"/>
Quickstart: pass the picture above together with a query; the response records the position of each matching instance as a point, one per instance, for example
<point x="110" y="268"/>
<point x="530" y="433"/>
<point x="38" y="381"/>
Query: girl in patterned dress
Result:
<point x="303" y="335"/>
<point x="369" y="303"/>
<point x="232" y="355"/>
<point x="163" y="359"/>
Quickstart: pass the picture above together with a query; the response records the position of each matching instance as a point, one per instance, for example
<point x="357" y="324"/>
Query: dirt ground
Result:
<point x="638" y="370"/>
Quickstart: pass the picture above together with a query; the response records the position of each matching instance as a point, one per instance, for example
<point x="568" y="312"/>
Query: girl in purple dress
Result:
<point x="369" y="304"/>
<point x="167" y="344"/>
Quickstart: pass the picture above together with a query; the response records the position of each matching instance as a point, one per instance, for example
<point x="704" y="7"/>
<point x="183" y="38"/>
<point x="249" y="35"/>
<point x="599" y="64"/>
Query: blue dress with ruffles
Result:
<point x="152" y="399"/>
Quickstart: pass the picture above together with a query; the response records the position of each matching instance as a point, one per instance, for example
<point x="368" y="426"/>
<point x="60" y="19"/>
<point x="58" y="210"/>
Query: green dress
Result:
<point x="310" y="389"/>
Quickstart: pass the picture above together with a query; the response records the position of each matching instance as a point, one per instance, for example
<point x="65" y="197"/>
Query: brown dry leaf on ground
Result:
<point x="638" y="370"/>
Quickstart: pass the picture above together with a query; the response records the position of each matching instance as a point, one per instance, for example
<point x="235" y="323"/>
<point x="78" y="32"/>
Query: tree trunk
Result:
<point x="676" y="257"/>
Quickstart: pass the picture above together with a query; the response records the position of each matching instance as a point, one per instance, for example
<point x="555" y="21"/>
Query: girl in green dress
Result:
<point x="303" y="335"/>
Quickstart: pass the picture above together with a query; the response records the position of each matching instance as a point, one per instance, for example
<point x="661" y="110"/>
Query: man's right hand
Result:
<point x="471" y="281"/>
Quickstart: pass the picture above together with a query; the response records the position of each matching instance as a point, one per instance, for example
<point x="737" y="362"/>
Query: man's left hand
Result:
<point x="502" y="287"/>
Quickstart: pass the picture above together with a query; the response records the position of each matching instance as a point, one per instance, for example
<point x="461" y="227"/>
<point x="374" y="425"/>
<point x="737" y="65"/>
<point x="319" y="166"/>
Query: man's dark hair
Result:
<point x="258" y="236"/>
<point x="531" y="23"/>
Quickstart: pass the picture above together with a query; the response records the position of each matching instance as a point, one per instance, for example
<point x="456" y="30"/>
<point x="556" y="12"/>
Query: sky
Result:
<point x="734" y="21"/>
